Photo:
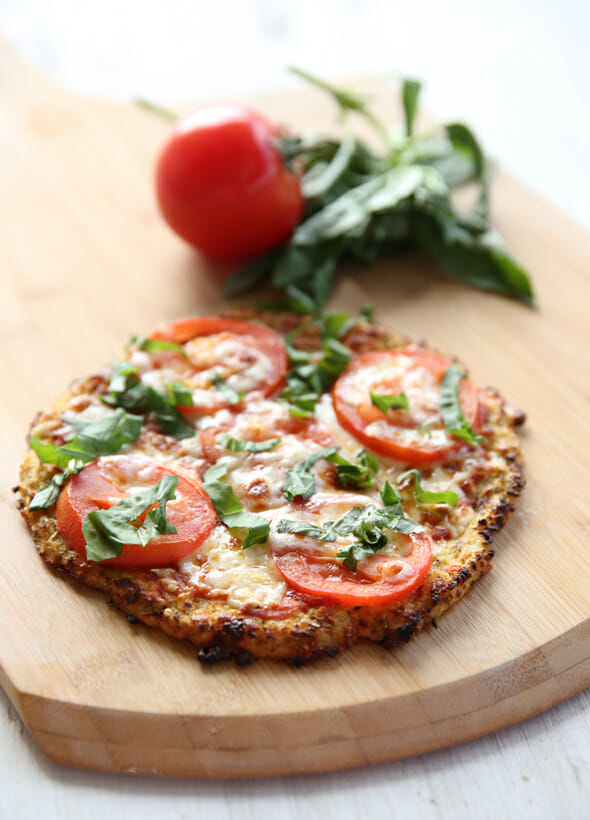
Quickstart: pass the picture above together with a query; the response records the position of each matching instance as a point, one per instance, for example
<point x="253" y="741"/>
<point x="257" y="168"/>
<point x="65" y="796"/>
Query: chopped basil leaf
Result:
<point x="257" y="527"/>
<point x="180" y="395"/>
<point x="48" y="495"/>
<point x="391" y="402"/>
<point x="367" y="460"/>
<point x="94" y="439"/>
<point x="366" y="314"/>
<point x="126" y="390"/>
<point x="229" y="394"/>
<point x="312" y="374"/>
<point x="156" y="345"/>
<point x="350" y="474"/>
<point x="410" y="94"/>
<point x="229" y="508"/>
<point x="450" y="406"/>
<point x="365" y="523"/>
<point x="425" y="496"/>
<point x="237" y="445"/>
<point x="299" y="480"/>
<point x="107" y="531"/>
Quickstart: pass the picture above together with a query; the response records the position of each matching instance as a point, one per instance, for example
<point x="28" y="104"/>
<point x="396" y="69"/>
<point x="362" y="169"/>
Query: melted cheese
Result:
<point x="245" y="576"/>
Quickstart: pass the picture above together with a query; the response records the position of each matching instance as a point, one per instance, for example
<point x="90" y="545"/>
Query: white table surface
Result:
<point x="519" y="73"/>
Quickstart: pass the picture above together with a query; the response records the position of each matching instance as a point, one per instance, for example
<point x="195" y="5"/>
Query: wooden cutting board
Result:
<point x="86" y="261"/>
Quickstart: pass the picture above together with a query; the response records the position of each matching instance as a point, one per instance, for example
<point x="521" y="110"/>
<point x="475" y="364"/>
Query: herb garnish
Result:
<point x="128" y="391"/>
<point x="300" y="480"/>
<point x="426" y="496"/>
<point x="236" y="445"/>
<point x="311" y="374"/>
<point x="155" y="345"/>
<point x="229" y="507"/>
<point x="364" y="205"/>
<point x="107" y="531"/>
<point x="227" y="391"/>
<point x="365" y="523"/>
<point x="392" y="402"/>
<point x="450" y="407"/>
<point x="93" y="439"/>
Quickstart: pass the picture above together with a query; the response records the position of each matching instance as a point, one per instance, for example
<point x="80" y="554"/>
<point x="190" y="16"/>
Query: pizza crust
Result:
<point x="309" y="629"/>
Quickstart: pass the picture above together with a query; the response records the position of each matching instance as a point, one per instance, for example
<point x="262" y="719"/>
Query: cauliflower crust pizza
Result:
<point x="267" y="486"/>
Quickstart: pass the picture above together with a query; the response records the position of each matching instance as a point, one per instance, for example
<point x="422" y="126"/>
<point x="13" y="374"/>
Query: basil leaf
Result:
<point x="367" y="460"/>
<point x="299" y="480"/>
<point x="229" y="508"/>
<point x="237" y="445"/>
<point x="229" y="394"/>
<point x="103" y="436"/>
<point x="107" y="531"/>
<point x="301" y="528"/>
<point x="156" y="345"/>
<point x="450" y="406"/>
<point x="48" y="453"/>
<point x="179" y="394"/>
<point x="426" y="496"/>
<point x="49" y="494"/>
<point x="390" y="402"/>
<point x="126" y="390"/>
<point x="410" y="94"/>
<point x="355" y="553"/>
<point x="257" y="525"/>
<point x="350" y="474"/>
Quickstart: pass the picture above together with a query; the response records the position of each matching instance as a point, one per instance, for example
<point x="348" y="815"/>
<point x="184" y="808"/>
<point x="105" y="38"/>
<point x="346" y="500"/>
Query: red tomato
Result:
<point x="252" y="344"/>
<point x="378" y="579"/>
<point x="398" y="434"/>
<point x="106" y="481"/>
<point x="222" y="185"/>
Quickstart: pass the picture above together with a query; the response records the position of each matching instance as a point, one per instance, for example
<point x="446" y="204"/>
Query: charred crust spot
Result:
<point x="209" y="655"/>
<point x="129" y="590"/>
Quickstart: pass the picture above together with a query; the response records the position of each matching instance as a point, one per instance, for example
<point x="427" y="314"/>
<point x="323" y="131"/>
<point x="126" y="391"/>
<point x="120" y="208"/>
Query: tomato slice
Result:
<point x="249" y="358"/>
<point x="415" y="435"/>
<point x="106" y="481"/>
<point x="311" y="566"/>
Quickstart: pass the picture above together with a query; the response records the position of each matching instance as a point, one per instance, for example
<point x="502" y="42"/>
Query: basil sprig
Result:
<point x="390" y="402"/>
<point x="126" y="390"/>
<point x="230" y="510"/>
<point x="107" y="531"/>
<point x="236" y="445"/>
<point x="366" y="523"/>
<point x="426" y="496"/>
<point x="93" y="439"/>
<point x="450" y="407"/>
<point x="364" y="205"/>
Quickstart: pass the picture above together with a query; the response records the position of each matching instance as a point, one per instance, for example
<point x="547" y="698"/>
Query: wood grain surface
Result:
<point x="86" y="261"/>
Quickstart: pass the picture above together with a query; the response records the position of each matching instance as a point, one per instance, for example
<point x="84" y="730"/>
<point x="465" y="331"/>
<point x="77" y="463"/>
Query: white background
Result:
<point x="519" y="73"/>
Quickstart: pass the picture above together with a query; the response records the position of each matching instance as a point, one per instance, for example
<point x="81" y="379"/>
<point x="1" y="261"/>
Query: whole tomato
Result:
<point x="222" y="185"/>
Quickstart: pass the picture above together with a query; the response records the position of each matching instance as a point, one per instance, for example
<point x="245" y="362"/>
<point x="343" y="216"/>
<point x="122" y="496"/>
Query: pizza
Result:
<point x="267" y="485"/>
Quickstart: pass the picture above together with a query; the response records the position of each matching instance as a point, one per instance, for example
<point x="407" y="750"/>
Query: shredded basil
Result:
<point x="237" y="445"/>
<point x="107" y="531"/>
<point x="450" y="406"/>
<point x="390" y="402"/>
<point x="365" y="523"/>
<point x="155" y="345"/>
<point x="93" y="439"/>
<point x="126" y="390"/>
<point x="425" y="496"/>
<point x="230" y="395"/>
<point x="230" y="510"/>
<point x="48" y="495"/>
